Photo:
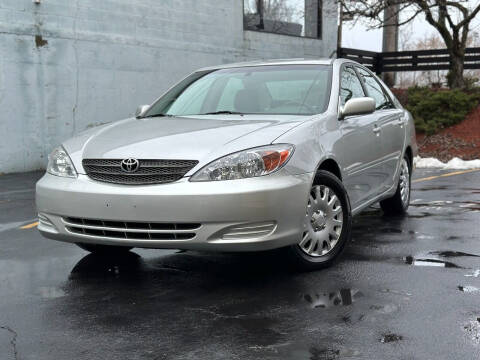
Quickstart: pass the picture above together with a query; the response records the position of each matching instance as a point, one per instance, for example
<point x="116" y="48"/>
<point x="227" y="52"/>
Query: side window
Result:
<point x="382" y="101"/>
<point x="350" y="86"/>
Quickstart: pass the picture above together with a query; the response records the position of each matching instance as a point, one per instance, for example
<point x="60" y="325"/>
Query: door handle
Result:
<point x="376" y="130"/>
<point x="400" y="122"/>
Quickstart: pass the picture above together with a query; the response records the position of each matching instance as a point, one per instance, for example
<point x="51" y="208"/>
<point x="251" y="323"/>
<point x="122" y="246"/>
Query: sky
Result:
<point x="360" y="37"/>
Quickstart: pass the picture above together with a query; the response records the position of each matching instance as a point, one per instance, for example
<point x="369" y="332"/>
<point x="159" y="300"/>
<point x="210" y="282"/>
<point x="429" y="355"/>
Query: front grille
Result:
<point x="131" y="230"/>
<point x="149" y="171"/>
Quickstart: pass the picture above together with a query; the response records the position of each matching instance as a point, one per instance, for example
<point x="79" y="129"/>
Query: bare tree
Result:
<point x="451" y="18"/>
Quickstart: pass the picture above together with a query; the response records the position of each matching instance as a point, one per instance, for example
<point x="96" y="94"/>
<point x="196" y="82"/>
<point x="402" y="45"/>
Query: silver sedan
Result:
<point x="240" y="157"/>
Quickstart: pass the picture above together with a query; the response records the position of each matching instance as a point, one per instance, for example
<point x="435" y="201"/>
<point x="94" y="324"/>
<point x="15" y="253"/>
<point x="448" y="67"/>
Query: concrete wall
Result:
<point x="66" y="65"/>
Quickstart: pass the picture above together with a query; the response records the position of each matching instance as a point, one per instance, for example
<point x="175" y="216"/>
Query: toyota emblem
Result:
<point x="130" y="165"/>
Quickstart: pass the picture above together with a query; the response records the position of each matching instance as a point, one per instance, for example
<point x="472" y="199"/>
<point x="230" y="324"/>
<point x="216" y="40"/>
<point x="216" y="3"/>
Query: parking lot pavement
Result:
<point x="406" y="288"/>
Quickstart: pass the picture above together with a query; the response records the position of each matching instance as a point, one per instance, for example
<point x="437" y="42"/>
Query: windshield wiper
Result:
<point x="156" y="115"/>
<point x="223" y="112"/>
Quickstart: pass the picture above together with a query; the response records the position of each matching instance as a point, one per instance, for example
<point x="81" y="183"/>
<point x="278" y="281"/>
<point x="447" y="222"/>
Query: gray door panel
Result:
<point x="390" y="130"/>
<point x="360" y="146"/>
<point x="392" y="138"/>
<point x="389" y="147"/>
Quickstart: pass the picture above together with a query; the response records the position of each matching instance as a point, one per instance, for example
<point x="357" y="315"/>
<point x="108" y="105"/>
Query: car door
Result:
<point x="358" y="147"/>
<point x="391" y="129"/>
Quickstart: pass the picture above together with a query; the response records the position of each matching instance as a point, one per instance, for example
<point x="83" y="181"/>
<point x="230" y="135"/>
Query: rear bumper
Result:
<point x="238" y="215"/>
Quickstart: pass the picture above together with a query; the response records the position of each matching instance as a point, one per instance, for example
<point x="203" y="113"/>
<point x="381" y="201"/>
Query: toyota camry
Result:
<point x="241" y="157"/>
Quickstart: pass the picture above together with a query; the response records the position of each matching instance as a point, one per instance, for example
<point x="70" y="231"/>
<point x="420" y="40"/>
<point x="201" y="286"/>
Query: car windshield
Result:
<point x="284" y="89"/>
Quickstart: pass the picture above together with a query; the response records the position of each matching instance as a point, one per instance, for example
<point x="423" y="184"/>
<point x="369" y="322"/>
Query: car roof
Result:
<point x="323" y="61"/>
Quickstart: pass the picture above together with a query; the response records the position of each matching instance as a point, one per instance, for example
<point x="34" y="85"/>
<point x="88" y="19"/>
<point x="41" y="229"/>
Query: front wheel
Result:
<point x="327" y="225"/>
<point x="103" y="249"/>
<point x="398" y="203"/>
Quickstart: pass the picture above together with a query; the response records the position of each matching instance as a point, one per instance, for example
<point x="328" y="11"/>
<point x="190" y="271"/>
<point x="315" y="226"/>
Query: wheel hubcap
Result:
<point x="404" y="183"/>
<point x="323" y="223"/>
<point x="318" y="220"/>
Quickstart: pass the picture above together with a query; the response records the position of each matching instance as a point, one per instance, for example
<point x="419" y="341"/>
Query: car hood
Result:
<point x="202" y="138"/>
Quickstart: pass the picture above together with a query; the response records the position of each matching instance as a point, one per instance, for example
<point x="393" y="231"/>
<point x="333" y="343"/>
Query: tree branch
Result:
<point x="469" y="17"/>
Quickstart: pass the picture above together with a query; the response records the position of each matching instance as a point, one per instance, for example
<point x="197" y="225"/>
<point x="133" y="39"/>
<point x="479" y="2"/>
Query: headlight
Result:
<point x="60" y="164"/>
<point x="245" y="164"/>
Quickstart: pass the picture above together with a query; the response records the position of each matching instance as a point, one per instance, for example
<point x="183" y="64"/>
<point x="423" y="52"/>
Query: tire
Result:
<point x="322" y="225"/>
<point x="398" y="203"/>
<point x="103" y="249"/>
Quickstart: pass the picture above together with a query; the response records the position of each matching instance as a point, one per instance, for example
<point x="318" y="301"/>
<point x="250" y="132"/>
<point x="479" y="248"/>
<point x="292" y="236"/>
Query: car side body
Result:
<point x="259" y="213"/>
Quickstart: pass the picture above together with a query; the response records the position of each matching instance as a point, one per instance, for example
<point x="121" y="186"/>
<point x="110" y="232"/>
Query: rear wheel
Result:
<point x="103" y="249"/>
<point x="327" y="225"/>
<point x="398" y="203"/>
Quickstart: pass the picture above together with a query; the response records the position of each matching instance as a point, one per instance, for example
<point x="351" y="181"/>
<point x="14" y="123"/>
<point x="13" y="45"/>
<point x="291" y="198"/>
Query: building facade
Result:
<point x="67" y="65"/>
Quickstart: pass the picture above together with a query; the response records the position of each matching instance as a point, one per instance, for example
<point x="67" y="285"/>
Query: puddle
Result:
<point x="434" y="203"/>
<point x="324" y="354"/>
<point x="410" y="260"/>
<point x="391" y="231"/>
<point x="443" y="205"/>
<point x="384" y="309"/>
<point x="317" y="353"/>
<point x="343" y="297"/>
<point x="449" y="253"/>
<point x="423" y="236"/>
<point x="468" y="289"/>
<point x="388" y="338"/>
<point x="419" y="216"/>
<point x="441" y="187"/>
<point x="413" y="201"/>
<point x="396" y="292"/>
<point x="473" y="330"/>
<point x="475" y="274"/>
<point x="50" y="292"/>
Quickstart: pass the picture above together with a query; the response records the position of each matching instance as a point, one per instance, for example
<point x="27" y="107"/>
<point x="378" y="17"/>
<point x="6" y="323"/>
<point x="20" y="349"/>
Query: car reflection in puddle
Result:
<point x="106" y="265"/>
<point x="342" y="297"/>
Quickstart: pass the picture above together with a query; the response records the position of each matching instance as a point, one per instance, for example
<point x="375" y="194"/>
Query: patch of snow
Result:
<point x="454" y="164"/>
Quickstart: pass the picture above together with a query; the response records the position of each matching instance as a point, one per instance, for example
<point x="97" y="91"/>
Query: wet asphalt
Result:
<point x="405" y="288"/>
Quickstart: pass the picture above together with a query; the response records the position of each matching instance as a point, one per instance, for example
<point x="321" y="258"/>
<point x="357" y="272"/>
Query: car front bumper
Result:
<point x="238" y="215"/>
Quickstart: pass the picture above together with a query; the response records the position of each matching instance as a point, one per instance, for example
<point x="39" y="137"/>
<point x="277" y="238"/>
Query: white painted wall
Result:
<point x="97" y="60"/>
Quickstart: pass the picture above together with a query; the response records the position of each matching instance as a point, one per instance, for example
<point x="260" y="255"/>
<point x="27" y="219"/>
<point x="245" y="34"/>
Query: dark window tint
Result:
<point x="375" y="91"/>
<point x="288" y="17"/>
<point x="350" y="86"/>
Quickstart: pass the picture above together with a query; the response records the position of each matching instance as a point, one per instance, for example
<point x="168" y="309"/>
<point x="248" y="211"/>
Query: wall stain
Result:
<point x="40" y="42"/>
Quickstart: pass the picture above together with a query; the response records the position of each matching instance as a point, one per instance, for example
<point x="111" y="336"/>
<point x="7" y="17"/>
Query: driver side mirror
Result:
<point x="141" y="109"/>
<point x="357" y="106"/>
